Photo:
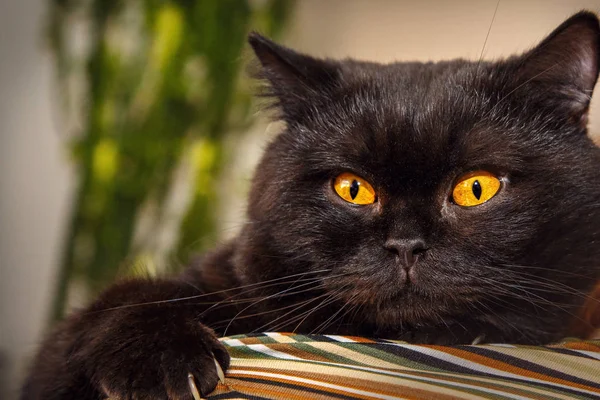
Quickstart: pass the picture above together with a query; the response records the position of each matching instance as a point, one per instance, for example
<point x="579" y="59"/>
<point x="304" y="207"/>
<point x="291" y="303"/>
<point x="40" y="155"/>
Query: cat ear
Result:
<point x="296" y="80"/>
<point x="566" y="65"/>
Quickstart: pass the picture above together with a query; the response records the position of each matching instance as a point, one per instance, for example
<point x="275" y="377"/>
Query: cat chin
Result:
<point x="408" y="306"/>
<point x="399" y="319"/>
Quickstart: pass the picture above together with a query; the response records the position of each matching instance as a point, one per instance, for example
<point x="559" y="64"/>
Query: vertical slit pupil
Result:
<point x="354" y="189"/>
<point x="477" y="189"/>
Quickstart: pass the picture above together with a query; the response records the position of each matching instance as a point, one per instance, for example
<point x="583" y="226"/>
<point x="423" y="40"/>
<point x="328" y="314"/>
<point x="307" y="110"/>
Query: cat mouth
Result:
<point x="371" y="289"/>
<point x="376" y="295"/>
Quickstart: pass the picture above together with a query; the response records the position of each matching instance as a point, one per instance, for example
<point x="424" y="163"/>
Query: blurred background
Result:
<point x="128" y="133"/>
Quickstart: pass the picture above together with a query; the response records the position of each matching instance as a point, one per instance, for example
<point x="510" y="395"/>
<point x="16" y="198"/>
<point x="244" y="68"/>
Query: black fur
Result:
<point x="514" y="269"/>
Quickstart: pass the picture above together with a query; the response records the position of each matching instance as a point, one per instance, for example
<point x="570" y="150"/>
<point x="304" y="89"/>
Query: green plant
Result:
<point x="157" y="85"/>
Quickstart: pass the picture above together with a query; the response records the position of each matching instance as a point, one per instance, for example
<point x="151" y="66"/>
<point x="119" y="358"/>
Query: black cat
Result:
<point x="433" y="202"/>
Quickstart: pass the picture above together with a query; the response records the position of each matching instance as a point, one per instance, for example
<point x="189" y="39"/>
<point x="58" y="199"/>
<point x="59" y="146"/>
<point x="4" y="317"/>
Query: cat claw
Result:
<point x="219" y="371"/>
<point x="477" y="340"/>
<point x="192" y="380"/>
<point x="193" y="387"/>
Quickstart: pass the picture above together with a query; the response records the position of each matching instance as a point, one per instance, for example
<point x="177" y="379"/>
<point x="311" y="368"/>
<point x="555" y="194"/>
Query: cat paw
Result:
<point x="183" y="365"/>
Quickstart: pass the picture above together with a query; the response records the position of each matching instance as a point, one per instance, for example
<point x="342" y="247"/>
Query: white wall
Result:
<point x="35" y="180"/>
<point x="34" y="185"/>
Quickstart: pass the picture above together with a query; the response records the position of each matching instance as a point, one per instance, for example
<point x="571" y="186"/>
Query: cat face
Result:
<point x="407" y="134"/>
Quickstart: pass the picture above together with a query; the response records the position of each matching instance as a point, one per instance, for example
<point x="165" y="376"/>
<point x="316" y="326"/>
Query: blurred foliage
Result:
<point x="149" y="88"/>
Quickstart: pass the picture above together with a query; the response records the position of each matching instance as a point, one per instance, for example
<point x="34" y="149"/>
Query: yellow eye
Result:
<point x="354" y="189"/>
<point x="475" y="188"/>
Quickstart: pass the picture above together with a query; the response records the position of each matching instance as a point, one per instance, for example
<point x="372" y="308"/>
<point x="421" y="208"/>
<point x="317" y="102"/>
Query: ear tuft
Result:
<point x="566" y="63"/>
<point x="295" y="80"/>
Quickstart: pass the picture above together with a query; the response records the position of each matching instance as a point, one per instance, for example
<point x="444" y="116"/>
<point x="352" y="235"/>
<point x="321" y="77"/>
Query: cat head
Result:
<point x="434" y="190"/>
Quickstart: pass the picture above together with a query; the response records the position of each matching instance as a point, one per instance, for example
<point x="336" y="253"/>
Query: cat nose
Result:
<point x="408" y="250"/>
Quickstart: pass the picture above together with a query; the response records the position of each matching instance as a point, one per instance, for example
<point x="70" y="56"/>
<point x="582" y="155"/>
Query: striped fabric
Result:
<point x="288" y="366"/>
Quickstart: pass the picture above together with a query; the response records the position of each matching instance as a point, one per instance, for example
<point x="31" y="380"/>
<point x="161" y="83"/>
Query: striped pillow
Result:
<point x="289" y="366"/>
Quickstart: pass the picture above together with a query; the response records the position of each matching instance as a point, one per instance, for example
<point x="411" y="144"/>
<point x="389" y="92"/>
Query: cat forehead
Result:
<point x="429" y="103"/>
<point x="418" y="89"/>
<point x="409" y="119"/>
